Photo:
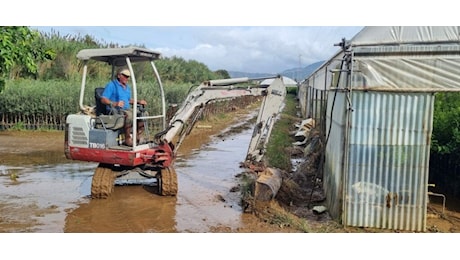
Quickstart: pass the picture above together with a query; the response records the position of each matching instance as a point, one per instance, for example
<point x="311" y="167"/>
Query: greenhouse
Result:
<point x="373" y="101"/>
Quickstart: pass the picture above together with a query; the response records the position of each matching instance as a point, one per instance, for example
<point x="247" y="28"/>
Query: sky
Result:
<point x="238" y="35"/>
<point x="255" y="49"/>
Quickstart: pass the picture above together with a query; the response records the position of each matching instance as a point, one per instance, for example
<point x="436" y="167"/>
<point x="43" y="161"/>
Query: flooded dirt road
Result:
<point x="43" y="192"/>
<point x="203" y="203"/>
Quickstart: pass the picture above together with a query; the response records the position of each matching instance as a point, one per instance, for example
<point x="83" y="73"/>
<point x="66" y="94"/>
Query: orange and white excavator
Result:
<point x="93" y="136"/>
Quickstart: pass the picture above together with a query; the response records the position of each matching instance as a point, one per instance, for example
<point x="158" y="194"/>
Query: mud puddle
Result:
<point x="35" y="198"/>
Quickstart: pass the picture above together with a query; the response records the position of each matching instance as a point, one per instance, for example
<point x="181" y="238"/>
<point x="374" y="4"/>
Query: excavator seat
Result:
<point x="100" y="108"/>
<point x="105" y="119"/>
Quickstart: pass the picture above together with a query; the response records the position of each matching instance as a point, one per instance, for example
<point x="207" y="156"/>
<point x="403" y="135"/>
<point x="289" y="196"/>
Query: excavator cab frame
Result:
<point x="124" y="57"/>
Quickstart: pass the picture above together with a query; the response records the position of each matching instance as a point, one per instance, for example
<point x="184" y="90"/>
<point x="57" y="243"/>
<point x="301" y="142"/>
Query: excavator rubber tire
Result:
<point x="103" y="182"/>
<point x="168" y="182"/>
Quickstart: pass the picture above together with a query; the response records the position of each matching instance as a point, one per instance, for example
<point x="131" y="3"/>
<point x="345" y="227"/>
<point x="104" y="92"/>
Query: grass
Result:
<point x="280" y="139"/>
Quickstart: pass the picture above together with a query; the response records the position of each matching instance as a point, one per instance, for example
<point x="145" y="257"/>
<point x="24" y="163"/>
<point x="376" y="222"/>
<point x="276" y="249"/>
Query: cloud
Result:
<point x="262" y="49"/>
<point x="255" y="49"/>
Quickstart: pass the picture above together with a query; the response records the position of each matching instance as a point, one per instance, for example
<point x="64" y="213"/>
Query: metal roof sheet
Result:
<point x="117" y="56"/>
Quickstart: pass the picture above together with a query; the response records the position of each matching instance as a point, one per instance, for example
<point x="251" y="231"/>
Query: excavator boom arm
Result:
<point x="217" y="90"/>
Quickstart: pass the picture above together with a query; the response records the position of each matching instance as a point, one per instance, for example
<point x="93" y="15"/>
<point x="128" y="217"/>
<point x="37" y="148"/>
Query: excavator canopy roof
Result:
<point x="117" y="56"/>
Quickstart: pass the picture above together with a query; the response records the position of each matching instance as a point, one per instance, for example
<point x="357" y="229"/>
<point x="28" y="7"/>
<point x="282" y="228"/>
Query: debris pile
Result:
<point x="298" y="191"/>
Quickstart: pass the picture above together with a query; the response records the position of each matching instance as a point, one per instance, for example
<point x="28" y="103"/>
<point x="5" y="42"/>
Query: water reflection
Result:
<point x="205" y="181"/>
<point x="37" y="199"/>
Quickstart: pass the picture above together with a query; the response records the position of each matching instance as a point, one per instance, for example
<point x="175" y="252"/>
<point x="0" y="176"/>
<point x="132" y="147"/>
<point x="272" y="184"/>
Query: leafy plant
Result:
<point x="20" y="51"/>
<point x="446" y="124"/>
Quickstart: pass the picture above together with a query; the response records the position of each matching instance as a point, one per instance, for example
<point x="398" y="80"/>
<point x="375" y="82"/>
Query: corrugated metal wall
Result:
<point x="388" y="149"/>
<point x="376" y="167"/>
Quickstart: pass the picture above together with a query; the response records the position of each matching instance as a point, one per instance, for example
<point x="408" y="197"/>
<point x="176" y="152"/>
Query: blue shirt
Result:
<point x="115" y="92"/>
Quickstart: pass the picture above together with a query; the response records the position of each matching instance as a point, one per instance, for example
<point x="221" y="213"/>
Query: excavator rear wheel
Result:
<point x="103" y="182"/>
<point x="168" y="182"/>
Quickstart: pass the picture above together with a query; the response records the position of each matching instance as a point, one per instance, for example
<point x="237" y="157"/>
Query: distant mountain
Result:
<point x="237" y="74"/>
<point x="297" y="74"/>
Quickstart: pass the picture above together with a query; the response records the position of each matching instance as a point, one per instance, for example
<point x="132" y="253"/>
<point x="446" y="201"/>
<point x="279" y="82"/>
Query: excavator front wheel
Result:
<point x="167" y="182"/>
<point x="103" y="182"/>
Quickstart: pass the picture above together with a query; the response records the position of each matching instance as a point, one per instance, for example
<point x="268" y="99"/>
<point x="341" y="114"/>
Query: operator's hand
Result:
<point x="119" y="104"/>
<point x="142" y="102"/>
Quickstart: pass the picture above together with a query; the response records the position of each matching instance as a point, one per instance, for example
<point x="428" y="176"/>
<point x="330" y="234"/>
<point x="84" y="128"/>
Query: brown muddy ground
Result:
<point x="203" y="204"/>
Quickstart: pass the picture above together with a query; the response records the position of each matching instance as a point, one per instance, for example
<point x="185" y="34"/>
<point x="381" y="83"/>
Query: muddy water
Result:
<point x="35" y="198"/>
<point x="205" y="182"/>
<point x="54" y="198"/>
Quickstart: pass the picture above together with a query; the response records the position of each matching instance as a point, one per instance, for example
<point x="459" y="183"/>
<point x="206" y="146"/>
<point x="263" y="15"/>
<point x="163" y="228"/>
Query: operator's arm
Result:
<point x="112" y="103"/>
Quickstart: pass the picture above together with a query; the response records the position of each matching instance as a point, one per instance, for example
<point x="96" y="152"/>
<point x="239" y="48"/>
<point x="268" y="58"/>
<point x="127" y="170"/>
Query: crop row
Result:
<point x="33" y="104"/>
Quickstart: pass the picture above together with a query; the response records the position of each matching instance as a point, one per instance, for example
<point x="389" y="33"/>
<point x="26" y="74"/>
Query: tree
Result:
<point x="222" y="74"/>
<point x="22" y="47"/>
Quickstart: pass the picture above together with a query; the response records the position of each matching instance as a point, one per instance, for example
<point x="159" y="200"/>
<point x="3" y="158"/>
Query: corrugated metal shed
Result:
<point x="378" y="120"/>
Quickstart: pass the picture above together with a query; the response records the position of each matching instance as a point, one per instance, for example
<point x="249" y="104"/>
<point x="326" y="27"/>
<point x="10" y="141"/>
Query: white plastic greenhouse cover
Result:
<point x="287" y="81"/>
<point x="374" y="35"/>
<point x="401" y="59"/>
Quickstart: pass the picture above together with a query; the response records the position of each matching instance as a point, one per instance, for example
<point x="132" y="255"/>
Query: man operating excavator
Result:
<point x="117" y="98"/>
